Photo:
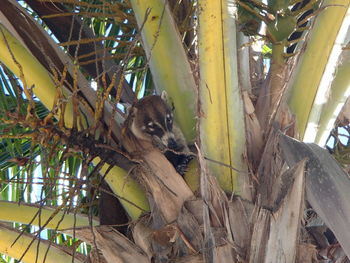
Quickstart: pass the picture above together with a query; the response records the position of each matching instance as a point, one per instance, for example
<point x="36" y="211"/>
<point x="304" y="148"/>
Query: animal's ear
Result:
<point x="132" y="111"/>
<point x="165" y="96"/>
<point x="167" y="100"/>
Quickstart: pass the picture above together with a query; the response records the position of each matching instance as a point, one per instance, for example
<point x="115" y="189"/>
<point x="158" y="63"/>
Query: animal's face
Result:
<point x="153" y="121"/>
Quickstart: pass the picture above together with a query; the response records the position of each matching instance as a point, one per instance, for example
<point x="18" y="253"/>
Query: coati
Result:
<point x="151" y="120"/>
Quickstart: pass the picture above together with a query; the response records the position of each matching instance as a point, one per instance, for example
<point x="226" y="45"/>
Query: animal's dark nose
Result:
<point x="172" y="144"/>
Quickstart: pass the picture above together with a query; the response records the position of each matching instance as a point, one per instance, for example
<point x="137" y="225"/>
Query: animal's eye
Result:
<point x="150" y="126"/>
<point x="169" y="118"/>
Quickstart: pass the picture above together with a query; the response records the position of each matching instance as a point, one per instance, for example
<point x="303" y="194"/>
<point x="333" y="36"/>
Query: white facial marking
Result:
<point x="160" y="126"/>
<point x="168" y="121"/>
<point x="150" y="126"/>
<point x="143" y="128"/>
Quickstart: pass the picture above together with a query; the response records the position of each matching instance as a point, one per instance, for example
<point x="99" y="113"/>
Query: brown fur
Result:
<point x="150" y="109"/>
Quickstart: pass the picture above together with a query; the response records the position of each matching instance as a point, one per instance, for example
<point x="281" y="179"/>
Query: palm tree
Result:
<point x="242" y="75"/>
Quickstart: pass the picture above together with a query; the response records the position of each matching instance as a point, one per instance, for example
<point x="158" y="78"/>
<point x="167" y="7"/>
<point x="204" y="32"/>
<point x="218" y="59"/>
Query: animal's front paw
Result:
<point x="182" y="166"/>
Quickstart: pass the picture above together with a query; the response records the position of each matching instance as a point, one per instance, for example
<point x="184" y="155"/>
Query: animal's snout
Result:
<point x="172" y="144"/>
